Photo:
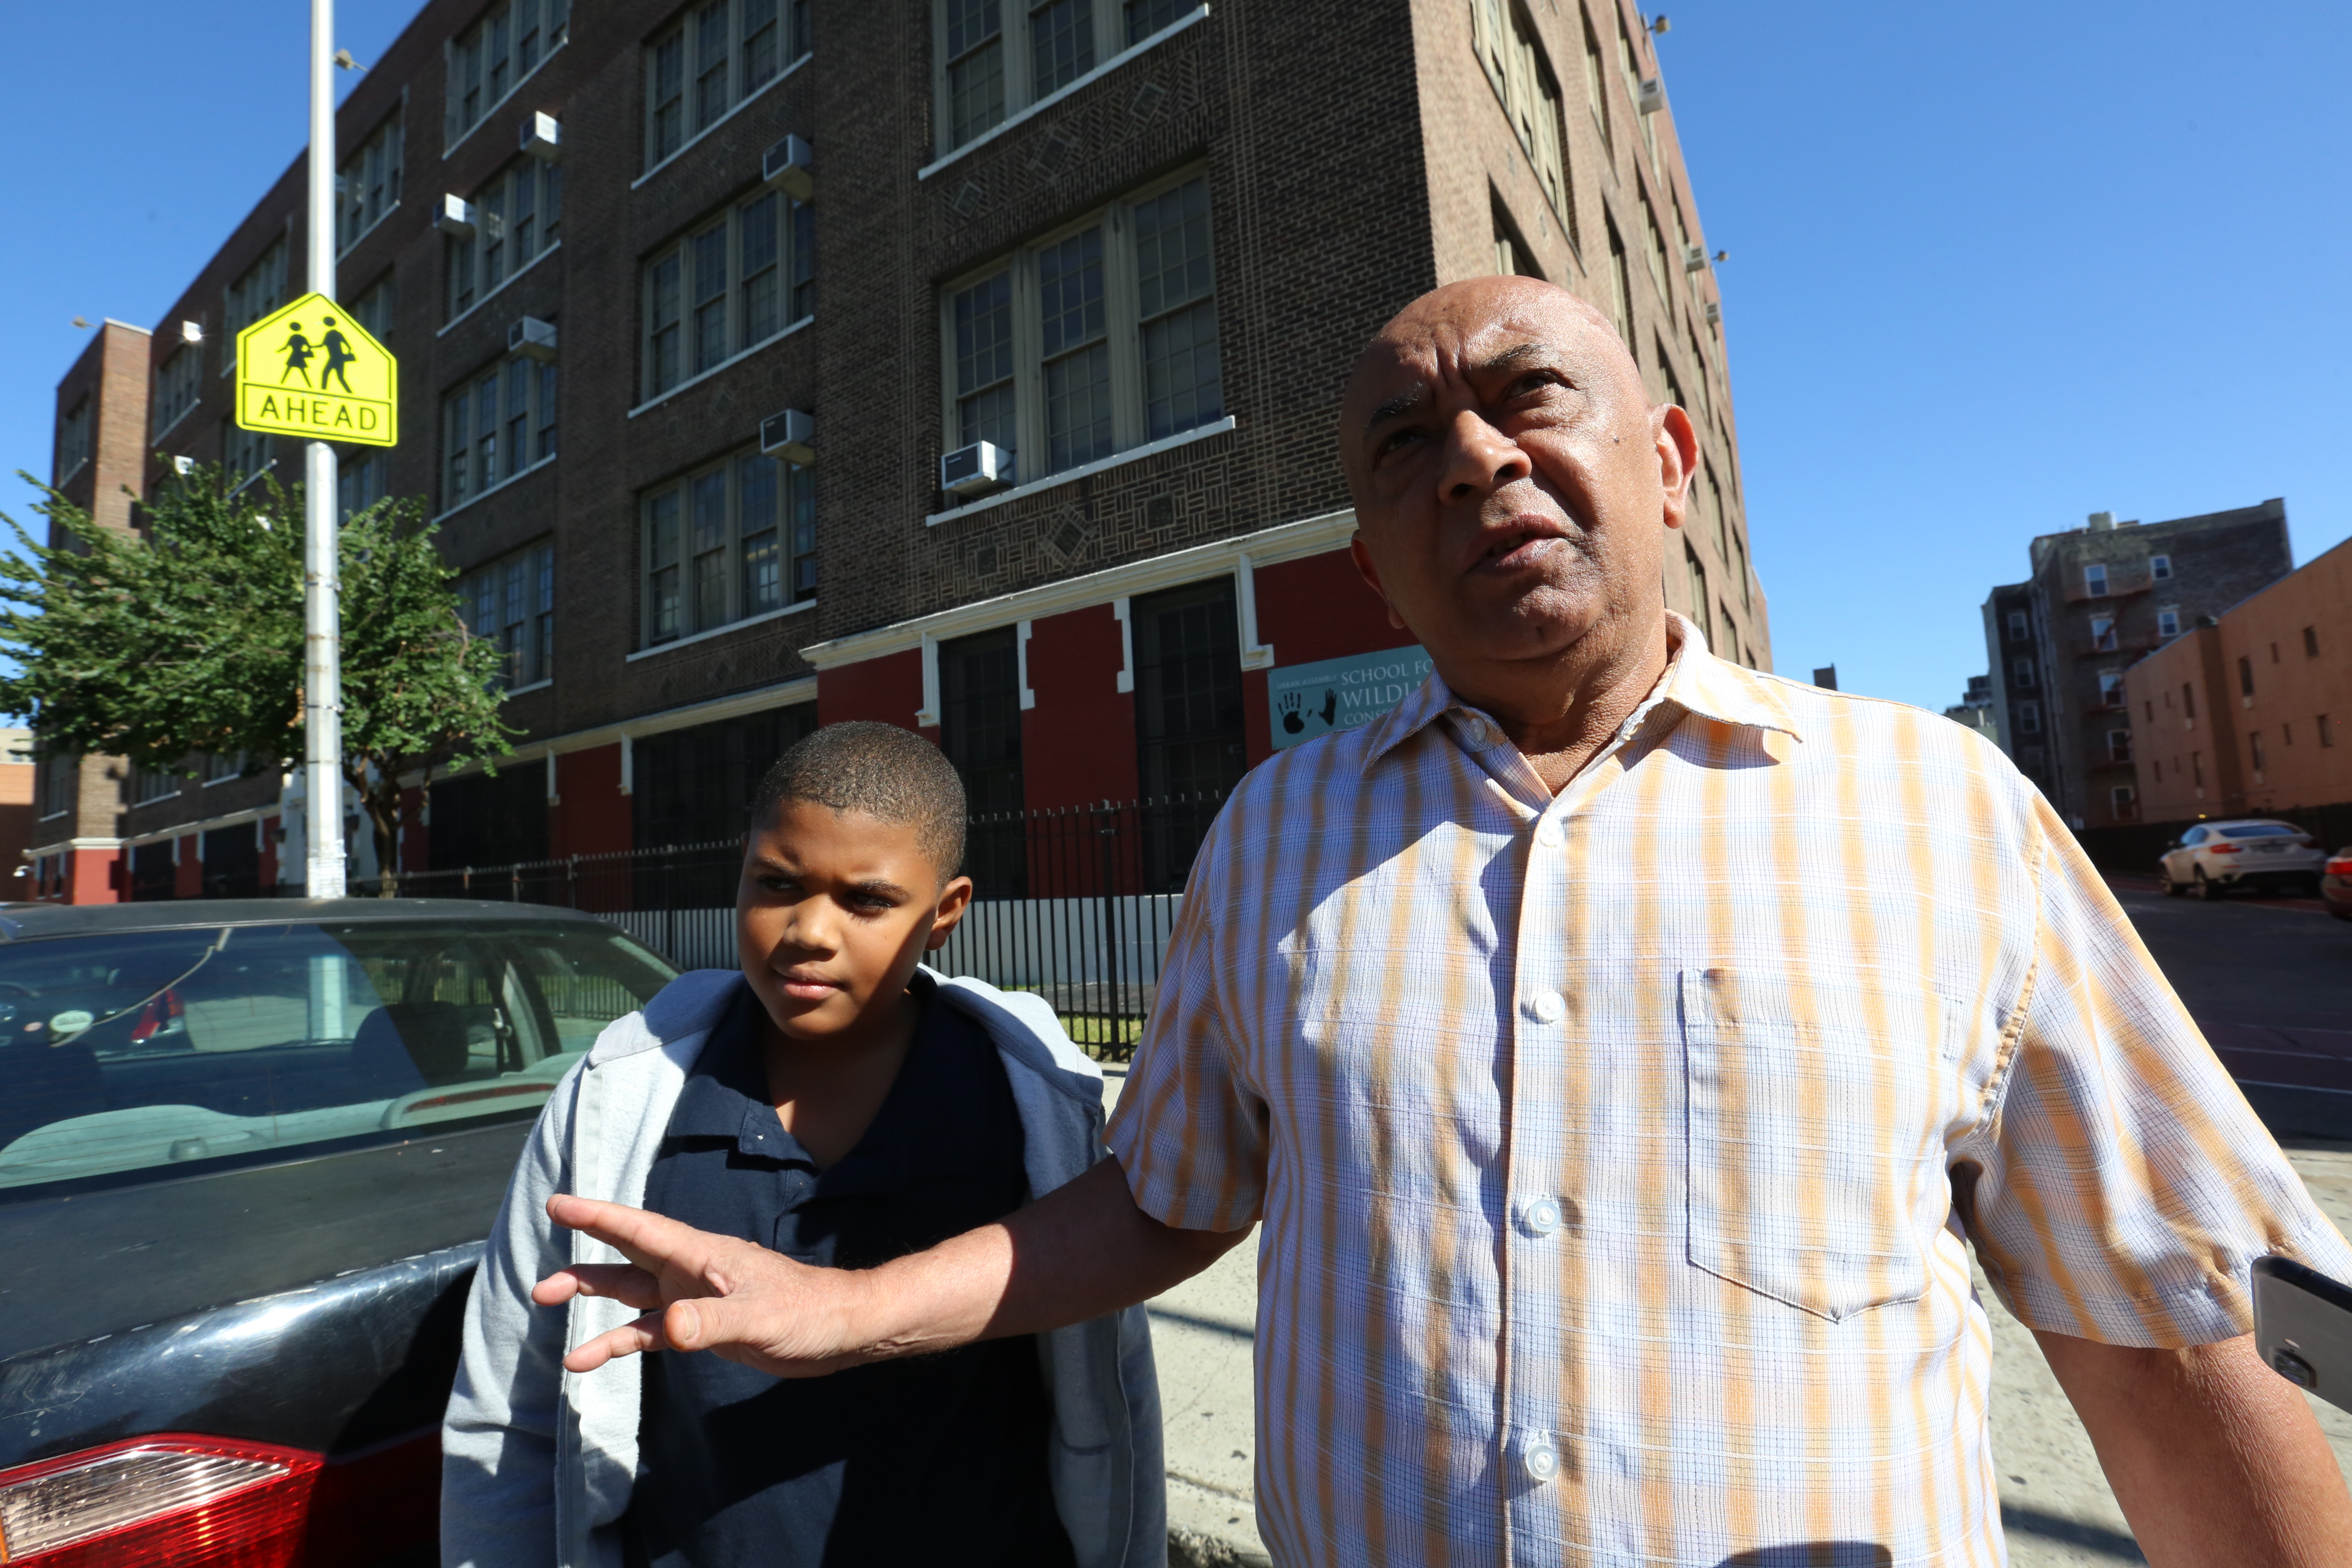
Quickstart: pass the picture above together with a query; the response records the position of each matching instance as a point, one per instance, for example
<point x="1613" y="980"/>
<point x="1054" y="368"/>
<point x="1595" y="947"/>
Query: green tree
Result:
<point x="185" y="636"/>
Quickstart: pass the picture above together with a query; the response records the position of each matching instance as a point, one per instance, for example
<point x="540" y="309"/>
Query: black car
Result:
<point x="248" y="1152"/>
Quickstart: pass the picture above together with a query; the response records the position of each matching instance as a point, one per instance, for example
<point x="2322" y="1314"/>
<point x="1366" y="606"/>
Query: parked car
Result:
<point x="2213" y="857"/>
<point x="248" y="1153"/>
<point x="2335" y="883"/>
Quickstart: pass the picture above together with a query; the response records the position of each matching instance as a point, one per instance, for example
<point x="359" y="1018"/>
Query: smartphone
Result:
<point x="2303" y="1328"/>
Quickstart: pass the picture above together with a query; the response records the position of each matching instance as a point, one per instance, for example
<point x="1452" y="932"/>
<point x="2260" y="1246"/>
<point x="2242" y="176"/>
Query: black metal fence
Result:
<point x="1075" y="903"/>
<point x="2134" y="847"/>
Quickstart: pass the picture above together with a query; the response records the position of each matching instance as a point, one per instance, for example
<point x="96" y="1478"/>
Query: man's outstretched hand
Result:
<point x="1079" y="1252"/>
<point x="700" y="1291"/>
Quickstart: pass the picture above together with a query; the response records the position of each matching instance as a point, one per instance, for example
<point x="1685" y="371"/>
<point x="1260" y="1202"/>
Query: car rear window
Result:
<point x="2260" y="830"/>
<point x="159" y="1049"/>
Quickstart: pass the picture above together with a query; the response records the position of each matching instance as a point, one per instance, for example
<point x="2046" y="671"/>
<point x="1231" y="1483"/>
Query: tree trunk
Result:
<point x="381" y="796"/>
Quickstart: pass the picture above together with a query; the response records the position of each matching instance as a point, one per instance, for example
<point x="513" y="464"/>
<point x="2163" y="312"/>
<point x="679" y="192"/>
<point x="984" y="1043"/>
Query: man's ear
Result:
<point x="954" y="900"/>
<point x="1372" y="575"/>
<point x="1677" y="459"/>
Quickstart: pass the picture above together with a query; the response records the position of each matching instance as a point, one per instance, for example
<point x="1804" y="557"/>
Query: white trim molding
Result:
<point x="1113" y="585"/>
<point x="437" y="519"/>
<point x="628" y="730"/>
<point x="928" y="716"/>
<point x="1020" y="663"/>
<point x="1084" y="471"/>
<point x="1197" y="14"/>
<point x="1126" y="645"/>
<point x="1255" y="655"/>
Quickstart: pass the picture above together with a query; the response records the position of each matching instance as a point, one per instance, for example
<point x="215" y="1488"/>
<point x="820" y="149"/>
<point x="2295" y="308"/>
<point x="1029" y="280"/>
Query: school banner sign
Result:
<point x="309" y="370"/>
<point x="1310" y="699"/>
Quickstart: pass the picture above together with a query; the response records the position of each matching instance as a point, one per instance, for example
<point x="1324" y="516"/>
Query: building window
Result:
<point x="495" y="425"/>
<point x="359" y="479"/>
<point x="2327" y="731"/>
<point x="2028" y="718"/>
<point x="2124" y="801"/>
<point x="2160" y="568"/>
<point x="517" y="216"/>
<point x="2020" y="672"/>
<point x="737" y="539"/>
<point x="261" y="290"/>
<point x="1699" y="601"/>
<point x="2254" y="745"/>
<point x="1655" y="245"/>
<point x="979" y="732"/>
<point x="249" y="453"/>
<point x="2017" y="626"/>
<point x="493" y="57"/>
<point x="178" y="382"/>
<point x="2197" y="769"/>
<point x="217" y="769"/>
<point x="373" y="310"/>
<point x="1738" y="554"/>
<point x="727" y="287"/>
<point x="997" y="56"/>
<point x="2188" y="701"/>
<point x="1730" y="649"/>
<point x="2094" y="581"/>
<point x="73" y="441"/>
<point x="1188" y="718"/>
<point x="2103" y="634"/>
<point x="1098" y="340"/>
<point x="368" y="185"/>
<point x="1522" y="78"/>
<point x="2168" y="622"/>
<point x="511" y="602"/>
<point x="2245" y="676"/>
<point x="695" y="785"/>
<point x="1620" y="287"/>
<point x="1595" y="94"/>
<point x="2311" y="642"/>
<point x="714" y="59"/>
<point x="2110" y="689"/>
<point x="147" y="785"/>
<point x="59" y="776"/>
<point x="2119" y="745"/>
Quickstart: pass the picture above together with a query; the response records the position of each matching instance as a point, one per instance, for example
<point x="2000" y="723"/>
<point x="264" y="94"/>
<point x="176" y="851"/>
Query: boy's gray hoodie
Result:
<point x="537" y="1462"/>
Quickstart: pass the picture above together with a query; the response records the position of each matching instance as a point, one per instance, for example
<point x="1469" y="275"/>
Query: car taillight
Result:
<point x="2225" y="848"/>
<point x="2342" y="867"/>
<point x="188" y="1501"/>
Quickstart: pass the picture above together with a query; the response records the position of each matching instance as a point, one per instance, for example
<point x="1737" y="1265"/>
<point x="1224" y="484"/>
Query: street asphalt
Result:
<point x="2270" y="982"/>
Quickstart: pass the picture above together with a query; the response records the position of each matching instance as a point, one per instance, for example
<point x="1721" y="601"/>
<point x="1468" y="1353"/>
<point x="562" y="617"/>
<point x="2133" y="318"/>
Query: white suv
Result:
<point x="2215" y="857"/>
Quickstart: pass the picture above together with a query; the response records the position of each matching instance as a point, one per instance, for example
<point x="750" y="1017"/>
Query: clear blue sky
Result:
<point x="1993" y="266"/>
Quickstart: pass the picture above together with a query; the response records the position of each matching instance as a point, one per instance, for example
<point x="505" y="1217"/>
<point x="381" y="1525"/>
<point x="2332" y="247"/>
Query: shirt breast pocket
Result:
<point x="1814" y="1148"/>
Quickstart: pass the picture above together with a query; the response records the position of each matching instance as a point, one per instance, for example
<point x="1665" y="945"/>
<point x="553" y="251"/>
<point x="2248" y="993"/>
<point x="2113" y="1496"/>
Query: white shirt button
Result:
<point x="1550" y="1006"/>
<point x="1548" y="834"/>
<point x="1541" y="1458"/>
<point x="1543" y="1215"/>
<point x="1474" y="732"/>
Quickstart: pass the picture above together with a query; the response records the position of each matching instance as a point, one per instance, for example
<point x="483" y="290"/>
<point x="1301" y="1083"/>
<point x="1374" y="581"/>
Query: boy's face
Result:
<point x="834" y="910"/>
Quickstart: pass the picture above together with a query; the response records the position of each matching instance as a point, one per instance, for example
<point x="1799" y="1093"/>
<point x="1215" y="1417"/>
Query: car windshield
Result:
<point x="157" y="1049"/>
<point x="2260" y="830"/>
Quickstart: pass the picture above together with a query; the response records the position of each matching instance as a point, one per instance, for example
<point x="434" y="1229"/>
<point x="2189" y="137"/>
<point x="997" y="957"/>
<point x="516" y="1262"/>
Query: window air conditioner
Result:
<point x="787" y="165"/>
<point x="1694" y="257"/>
<point x="455" y="216"/>
<point x="532" y="338"/>
<point x="791" y="435"/>
<point x="1652" y="97"/>
<point x="971" y="472"/>
<point x="1714" y="314"/>
<point x="184" y="466"/>
<point x="542" y="137"/>
<point x="192" y="331"/>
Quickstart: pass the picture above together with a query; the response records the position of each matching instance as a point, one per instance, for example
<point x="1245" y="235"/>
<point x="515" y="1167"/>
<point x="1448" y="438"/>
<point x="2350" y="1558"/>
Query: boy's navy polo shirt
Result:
<point x="933" y="1459"/>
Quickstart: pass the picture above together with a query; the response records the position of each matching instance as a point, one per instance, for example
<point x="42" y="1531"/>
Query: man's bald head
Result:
<point x="1512" y="482"/>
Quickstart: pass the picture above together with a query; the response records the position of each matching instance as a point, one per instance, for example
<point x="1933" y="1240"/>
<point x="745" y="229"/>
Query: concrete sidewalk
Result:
<point x="2056" y="1501"/>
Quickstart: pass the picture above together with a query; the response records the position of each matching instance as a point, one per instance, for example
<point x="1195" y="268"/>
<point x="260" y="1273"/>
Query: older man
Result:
<point x="1622" y="1050"/>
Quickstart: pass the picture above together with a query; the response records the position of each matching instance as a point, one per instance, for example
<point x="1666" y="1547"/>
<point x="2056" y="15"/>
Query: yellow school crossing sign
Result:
<point x="309" y="370"/>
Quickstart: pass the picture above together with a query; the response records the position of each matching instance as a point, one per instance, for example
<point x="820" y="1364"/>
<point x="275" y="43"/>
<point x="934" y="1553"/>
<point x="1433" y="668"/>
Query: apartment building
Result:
<point x="2100" y="597"/>
<point x="963" y="364"/>
<point x="2247" y="713"/>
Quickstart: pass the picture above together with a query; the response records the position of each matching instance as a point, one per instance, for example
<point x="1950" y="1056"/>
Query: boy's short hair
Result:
<point x="878" y="769"/>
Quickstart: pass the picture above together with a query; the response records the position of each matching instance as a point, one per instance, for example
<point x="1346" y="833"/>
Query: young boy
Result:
<point x="839" y="1103"/>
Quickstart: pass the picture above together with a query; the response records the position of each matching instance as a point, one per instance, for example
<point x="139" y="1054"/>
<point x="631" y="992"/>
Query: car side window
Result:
<point x="2193" y="838"/>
